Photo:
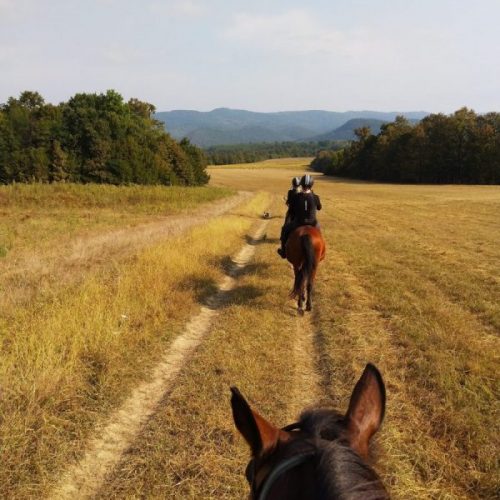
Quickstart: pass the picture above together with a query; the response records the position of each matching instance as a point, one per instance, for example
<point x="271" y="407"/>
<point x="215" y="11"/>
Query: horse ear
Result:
<point x="366" y="409"/>
<point x="260" y="434"/>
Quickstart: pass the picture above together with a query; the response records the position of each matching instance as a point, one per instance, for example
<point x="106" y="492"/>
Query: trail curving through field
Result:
<point x="113" y="439"/>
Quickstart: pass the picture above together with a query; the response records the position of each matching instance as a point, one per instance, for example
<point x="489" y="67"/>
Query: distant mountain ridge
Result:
<point x="233" y="126"/>
<point x="346" y="131"/>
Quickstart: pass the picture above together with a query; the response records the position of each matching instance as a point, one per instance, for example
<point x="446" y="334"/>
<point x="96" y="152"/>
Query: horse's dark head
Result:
<point x="323" y="455"/>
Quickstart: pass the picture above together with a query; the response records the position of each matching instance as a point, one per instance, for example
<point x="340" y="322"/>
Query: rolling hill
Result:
<point x="346" y="131"/>
<point x="233" y="126"/>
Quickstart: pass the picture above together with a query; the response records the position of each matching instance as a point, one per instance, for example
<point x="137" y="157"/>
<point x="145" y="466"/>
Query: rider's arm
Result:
<point x="318" y="202"/>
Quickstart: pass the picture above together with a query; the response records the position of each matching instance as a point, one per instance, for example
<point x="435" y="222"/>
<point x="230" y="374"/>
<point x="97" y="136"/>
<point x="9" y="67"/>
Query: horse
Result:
<point x="322" y="456"/>
<point x="305" y="248"/>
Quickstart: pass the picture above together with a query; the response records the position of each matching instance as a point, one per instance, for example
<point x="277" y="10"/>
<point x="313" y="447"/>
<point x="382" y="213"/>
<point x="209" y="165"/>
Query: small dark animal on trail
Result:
<point x="321" y="457"/>
<point x="305" y="249"/>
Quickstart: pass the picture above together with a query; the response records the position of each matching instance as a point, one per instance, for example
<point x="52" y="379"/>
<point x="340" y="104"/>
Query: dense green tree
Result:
<point x="460" y="148"/>
<point x="92" y="138"/>
<point x="248" y="153"/>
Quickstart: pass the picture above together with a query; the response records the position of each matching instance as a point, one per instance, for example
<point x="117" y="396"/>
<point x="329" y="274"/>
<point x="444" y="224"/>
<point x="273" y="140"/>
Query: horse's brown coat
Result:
<point x="305" y="249"/>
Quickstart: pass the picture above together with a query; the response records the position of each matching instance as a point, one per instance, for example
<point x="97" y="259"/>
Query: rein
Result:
<point x="285" y="466"/>
<point x="280" y="469"/>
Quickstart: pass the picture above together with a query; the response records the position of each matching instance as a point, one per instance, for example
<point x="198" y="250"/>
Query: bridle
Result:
<point x="282" y="467"/>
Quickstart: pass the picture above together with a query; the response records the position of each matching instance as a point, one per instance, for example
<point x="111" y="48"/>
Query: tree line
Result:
<point x="249" y="153"/>
<point x="92" y="138"/>
<point x="461" y="148"/>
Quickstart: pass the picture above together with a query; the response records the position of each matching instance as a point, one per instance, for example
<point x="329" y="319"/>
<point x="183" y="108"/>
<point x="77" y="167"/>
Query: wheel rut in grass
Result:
<point x="115" y="437"/>
<point x="306" y="390"/>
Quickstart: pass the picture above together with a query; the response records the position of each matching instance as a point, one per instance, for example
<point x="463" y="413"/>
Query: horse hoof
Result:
<point x="301" y="312"/>
<point x="309" y="307"/>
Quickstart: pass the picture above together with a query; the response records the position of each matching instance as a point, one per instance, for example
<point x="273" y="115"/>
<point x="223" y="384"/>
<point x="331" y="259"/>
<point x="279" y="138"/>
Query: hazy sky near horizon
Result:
<point x="338" y="55"/>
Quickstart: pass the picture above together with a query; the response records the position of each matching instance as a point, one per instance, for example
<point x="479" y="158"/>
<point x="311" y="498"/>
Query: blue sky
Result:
<point x="433" y="55"/>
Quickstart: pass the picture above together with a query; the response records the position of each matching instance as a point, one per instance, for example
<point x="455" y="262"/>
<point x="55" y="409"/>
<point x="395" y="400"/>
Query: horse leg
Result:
<point x="300" y="295"/>
<point x="309" y="294"/>
<point x="303" y="293"/>
<point x="300" y="305"/>
<point x="310" y="282"/>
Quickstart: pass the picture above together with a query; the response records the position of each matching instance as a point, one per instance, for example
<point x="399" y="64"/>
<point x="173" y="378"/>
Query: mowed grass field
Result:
<point x="278" y="163"/>
<point x="410" y="282"/>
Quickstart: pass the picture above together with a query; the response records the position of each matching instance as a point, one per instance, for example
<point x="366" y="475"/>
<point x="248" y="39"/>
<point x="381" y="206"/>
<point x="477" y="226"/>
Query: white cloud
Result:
<point x="297" y="32"/>
<point x="178" y="8"/>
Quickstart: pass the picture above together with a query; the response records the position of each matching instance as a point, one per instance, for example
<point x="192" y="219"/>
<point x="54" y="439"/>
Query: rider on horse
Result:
<point x="302" y="211"/>
<point x="289" y="199"/>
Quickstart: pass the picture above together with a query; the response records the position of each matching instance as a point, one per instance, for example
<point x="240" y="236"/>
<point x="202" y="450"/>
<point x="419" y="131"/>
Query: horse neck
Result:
<point x="297" y="484"/>
<point x="335" y="472"/>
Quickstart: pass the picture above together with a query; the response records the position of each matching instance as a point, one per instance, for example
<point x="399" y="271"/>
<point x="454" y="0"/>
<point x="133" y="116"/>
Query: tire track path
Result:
<point x="113" y="439"/>
<point x="306" y="389"/>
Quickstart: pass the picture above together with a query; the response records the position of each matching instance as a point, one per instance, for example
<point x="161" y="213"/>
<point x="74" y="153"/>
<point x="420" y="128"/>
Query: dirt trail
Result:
<point x="64" y="265"/>
<point x="306" y="390"/>
<point x="112" y="440"/>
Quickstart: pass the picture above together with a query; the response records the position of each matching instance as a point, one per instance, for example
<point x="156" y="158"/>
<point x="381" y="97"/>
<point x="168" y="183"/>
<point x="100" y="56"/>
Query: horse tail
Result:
<point x="307" y="268"/>
<point x="309" y="256"/>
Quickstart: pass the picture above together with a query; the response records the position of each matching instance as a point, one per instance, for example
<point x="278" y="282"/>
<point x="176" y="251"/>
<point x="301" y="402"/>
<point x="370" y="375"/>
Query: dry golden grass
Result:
<point x="409" y="290"/>
<point x="277" y="163"/>
<point x="74" y="354"/>
<point x="38" y="215"/>
<point x="48" y="246"/>
<point x="190" y="448"/>
<point x="411" y="282"/>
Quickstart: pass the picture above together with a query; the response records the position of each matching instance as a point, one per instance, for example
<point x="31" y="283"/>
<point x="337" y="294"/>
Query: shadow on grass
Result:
<point x="271" y="241"/>
<point x="208" y="294"/>
<point x="250" y="240"/>
<point x="231" y="268"/>
<point x="203" y="288"/>
<point x="240" y="295"/>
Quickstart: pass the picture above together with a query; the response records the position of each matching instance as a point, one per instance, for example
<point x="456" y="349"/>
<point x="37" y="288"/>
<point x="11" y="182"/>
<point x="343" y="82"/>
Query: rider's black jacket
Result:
<point x="292" y="193"/>
<point x="304" y="207"/>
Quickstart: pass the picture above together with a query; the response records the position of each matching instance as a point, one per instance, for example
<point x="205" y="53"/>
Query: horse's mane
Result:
<point x="344" y="475"/>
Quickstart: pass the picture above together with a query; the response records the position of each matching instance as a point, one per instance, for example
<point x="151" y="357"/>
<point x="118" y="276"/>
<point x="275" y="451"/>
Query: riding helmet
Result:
<point x="296" y="182"/>
<point x="307" y="181"/>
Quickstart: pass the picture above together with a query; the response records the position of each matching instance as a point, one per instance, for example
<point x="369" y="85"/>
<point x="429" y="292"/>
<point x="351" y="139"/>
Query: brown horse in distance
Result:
<point x="305" y="249"/>
<point x="322" y="456"/>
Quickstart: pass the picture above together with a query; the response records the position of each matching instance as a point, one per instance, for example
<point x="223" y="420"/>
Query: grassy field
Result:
<point x="54" y="235"/>
<point x="411" y="282"/>
<point x="34" y="214"/>
<point x="280" y="163"/>
<point x="71" y="354"/>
